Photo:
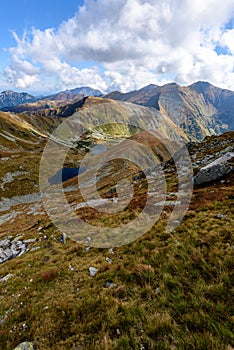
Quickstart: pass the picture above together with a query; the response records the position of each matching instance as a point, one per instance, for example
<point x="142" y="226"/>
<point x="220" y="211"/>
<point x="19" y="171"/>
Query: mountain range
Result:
<point x="200" y="109"/>
<point x="159" y="290"/>
<point x="9" y="99"/>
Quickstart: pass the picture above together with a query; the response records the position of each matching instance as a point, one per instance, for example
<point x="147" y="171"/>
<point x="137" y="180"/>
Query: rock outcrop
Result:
<point x="9" y="249"/>
<point x="215" y="170"/>
<point x="25" y="346"/>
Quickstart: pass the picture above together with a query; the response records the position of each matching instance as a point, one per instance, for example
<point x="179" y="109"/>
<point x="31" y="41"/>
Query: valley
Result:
<point x="101" y="278"/>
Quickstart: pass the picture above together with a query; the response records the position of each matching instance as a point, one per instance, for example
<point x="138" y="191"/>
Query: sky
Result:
<point x="51" y="45"/>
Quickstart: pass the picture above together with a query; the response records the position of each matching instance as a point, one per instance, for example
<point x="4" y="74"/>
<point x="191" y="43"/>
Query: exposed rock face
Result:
<point x="215" y="170"/>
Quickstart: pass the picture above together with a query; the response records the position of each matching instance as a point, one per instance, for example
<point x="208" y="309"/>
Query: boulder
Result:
<point x="215" y="170"/>
<point x="111" y="285"/>
<point x="7" y="277"/>
<point x="24" y="346"/>
<point x="92" y="271"/>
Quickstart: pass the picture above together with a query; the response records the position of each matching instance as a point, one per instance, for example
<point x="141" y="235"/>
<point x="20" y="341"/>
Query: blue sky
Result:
<point x="50" y="45"/>
<point x="19" y="15"/>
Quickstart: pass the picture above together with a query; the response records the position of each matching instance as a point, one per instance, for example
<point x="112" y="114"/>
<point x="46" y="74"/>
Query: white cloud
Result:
<point x="227" y="39"/>
<point x="21" y="73"/>
<point x="128" y="44"/>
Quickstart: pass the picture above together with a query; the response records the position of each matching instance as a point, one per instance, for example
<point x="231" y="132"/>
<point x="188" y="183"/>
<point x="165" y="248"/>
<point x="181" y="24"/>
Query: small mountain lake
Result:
<point x="65" y="174"/>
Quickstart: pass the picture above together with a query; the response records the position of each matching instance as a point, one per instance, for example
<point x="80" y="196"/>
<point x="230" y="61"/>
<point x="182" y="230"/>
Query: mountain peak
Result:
<point x="201" y="86"/>
<point x="201" y="83"/>
<point x="84" y="90"/>
<point x="10" y="98"/>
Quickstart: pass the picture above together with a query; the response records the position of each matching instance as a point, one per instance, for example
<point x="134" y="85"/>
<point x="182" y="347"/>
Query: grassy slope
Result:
<point x="192" y="267"/>
<point x="173" y="290"/>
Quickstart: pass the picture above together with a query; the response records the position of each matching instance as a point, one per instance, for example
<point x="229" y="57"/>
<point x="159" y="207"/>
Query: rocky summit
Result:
<point x="160" y="151"/>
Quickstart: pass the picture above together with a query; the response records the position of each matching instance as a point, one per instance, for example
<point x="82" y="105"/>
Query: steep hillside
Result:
<point x="200" y="109"/>
<point x="221" y="99"/>
<point x="109" y="111"/>
<point x="141" y="96"/>
<point x="89" y="110"/>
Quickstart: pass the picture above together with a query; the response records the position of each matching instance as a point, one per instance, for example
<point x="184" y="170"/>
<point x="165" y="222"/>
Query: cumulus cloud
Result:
<point x="126" y="44"/>
<point x="21" y="73"/>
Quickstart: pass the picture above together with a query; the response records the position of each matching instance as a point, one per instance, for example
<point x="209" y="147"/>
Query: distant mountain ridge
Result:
<point x="200" y="109"/>
<point x="74" y="94"/>
<point x="10" y="98"/>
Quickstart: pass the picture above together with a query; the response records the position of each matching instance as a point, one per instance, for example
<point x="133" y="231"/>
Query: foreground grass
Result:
<point x="173" y="291"/>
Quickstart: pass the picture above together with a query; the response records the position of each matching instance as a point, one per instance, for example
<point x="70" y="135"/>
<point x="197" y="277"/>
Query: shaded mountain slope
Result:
<point x="10" y="98"/>
<point x="221" y="99"/>
<point x="55" y="107"/>
<point x="104" y="111"/>
<point x="89" y="110"/>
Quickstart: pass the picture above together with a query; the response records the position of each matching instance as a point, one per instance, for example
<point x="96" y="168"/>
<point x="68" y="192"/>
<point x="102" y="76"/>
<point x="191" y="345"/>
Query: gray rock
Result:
<point x="221" y="216"/>
<point x="228" y="149"/>
<point x="7" y="203"/>
<point x="111" y="285"/>
<point x="215" y="170"/>
<point x="5" y="243"/>
<point x="92" y="271"/>
<point x="109" y="260"/>
<point x="10" y="249"/>
<point x="5" y="254"/>
<point x="87" y="240"/>
<point x="70" y="267"/>
<point x="62" y="238"/>
<point x="30" y="240"/>
<point x="157" y="290"/>
<point x="34" y="248"/>
<point x="7" y="277"/>
<point x="25" y="346"/>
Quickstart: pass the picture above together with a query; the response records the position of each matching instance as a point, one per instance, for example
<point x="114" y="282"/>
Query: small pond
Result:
<point x="65" y="174"/>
